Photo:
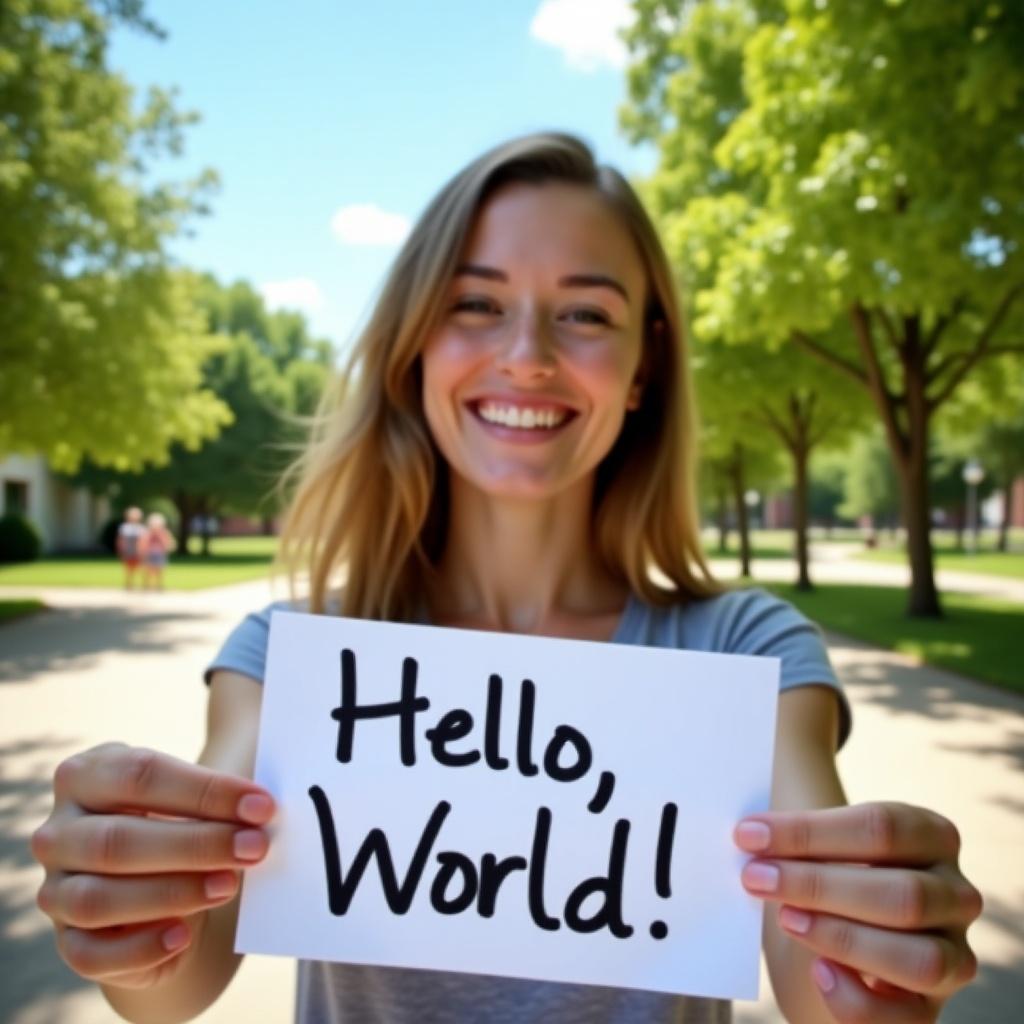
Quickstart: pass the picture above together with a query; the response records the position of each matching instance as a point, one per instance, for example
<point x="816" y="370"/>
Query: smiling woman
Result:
<point x="527" y="339"/>
<point x="513" y="450"/>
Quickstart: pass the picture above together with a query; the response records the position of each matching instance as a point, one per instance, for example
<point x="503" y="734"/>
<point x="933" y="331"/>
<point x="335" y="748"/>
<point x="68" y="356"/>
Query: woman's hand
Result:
<point x="875" y="891"/>
<point x="137" y="847"/>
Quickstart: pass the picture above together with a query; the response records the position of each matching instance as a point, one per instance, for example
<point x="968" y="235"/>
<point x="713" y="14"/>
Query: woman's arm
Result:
<point x="868" y="909"/>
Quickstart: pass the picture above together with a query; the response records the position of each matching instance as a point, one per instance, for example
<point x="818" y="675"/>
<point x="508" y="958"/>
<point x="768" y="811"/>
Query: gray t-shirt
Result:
<point x="736" y="622"/>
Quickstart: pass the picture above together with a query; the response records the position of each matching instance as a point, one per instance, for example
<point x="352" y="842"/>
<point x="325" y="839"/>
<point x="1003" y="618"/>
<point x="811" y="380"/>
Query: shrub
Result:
<point x="19" y="539"/>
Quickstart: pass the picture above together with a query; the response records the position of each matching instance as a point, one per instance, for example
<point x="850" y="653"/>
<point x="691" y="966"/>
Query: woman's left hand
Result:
<point x="876" y="892"/>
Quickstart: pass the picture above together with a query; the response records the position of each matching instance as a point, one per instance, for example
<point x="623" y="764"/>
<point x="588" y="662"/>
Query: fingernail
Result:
<point x="255" y="808"/>
<point x="795" y="920"/>
<point x="175" y="938"/>
<point x="753" y="835"/>
<point x="761" y="877"/>
<point x="219" y="885"/>
<point x="824" y="976"/>
<point x="250" y="844"/>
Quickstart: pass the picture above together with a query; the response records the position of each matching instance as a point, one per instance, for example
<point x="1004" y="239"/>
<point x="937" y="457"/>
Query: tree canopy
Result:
<point x="269" y="371"/>
<point x="846" y="179"/>
<point x="101" y="341"/>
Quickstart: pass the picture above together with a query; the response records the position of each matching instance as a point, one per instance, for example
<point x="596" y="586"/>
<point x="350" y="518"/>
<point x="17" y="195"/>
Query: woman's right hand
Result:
<point x="138" y="847"/>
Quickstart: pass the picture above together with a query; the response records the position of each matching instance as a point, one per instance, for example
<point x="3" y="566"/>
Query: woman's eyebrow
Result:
<point x="569" y="281"/>
<point x="478" y="270"/>
<point x="593" y="281"/>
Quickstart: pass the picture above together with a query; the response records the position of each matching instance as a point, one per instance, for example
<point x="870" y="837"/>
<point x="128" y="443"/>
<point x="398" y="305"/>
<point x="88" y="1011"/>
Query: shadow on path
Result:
<point x="997" y="994"/>
<point x="30" y="969"/>
<point x="1012" y="752"/>
<point x="891" y="683"/>
<point x="68" y="639"/>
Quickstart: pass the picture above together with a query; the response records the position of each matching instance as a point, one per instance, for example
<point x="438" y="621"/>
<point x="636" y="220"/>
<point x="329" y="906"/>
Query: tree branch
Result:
<point x="981" y="348"/>
<point x="932" y="339"/>
<point x="890" y="327"/>
<point x="827" y="355"/>
<point x="776" y="423"/>
<point x="883" y="397"/>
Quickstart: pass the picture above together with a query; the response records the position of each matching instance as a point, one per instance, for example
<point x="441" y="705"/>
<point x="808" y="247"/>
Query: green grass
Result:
<point x="772" y="544"/>
<point x="231" y="560"/>
<point x="992" y="563"/>
<point x="979" y="636"/>
<point x="17" y="608"/>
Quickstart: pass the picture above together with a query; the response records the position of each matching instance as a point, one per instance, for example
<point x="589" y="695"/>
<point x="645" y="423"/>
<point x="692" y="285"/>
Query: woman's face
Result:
<point x="528" y="378"/>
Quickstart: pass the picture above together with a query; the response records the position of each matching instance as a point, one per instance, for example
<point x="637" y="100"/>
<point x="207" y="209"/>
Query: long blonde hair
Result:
<point x="370" y="498"/>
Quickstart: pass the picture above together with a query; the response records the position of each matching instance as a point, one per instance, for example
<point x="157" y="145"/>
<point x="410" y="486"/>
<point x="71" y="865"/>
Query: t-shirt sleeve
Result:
<point x="245" y="649"/>
<point x="762" y="624"/>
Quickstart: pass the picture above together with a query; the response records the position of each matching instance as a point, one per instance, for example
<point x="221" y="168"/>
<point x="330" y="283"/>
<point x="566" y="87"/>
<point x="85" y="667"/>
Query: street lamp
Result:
<point x="973" y="474"/>
<point x="751" y="499"/>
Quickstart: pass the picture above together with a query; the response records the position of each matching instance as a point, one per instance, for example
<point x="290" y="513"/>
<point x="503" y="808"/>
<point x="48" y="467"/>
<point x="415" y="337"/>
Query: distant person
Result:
<point x="156" y="546"/>
<point x="130" y="536"/>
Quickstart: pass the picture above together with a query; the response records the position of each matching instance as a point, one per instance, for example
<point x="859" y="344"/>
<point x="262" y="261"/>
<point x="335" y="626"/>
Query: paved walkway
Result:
<point x="98" y="666"/>
<point x="832" y="563"/>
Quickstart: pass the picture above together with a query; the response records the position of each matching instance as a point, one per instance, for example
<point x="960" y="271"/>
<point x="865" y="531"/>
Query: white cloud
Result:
<point x="586" y="31"/>
<point x="302" y="293"/>
<point x="368" y="224"/>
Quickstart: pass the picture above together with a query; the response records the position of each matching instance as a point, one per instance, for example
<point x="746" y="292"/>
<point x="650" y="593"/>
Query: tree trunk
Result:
<point x="923" y="599"/>
<point x="203" y="508"/>
<point x="908" y="445"/>
<point x="1004" y="526"/>
<point x="800" y="500"/>
<point x="722" y="519"/>
<point x="185" y="505"/>
<point x="923" y="595"/>
<point x="738" y="491"/>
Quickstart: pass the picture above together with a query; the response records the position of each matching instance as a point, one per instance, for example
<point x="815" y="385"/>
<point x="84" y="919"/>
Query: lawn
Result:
<point x="979" y="637"/>
<point x="231" y="560"/>
<point x="17" y="608"/>
<point x="994" y="563"/>
<point x="773" y="544"/>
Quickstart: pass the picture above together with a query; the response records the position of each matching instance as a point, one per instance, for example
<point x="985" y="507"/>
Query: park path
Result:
<point x="102" y="665"/>
<point x="832" y="563"/>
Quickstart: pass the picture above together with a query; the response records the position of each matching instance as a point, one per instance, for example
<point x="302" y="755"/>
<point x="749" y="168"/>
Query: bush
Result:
<point x="19" y="539"/>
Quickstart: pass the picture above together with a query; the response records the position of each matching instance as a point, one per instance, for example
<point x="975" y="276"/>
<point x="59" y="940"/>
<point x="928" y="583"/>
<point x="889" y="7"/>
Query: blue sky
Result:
<point x="332" y="123"/>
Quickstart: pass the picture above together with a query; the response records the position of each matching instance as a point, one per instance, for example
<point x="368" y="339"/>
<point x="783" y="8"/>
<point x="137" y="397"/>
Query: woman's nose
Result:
<point x="528" y="349"/>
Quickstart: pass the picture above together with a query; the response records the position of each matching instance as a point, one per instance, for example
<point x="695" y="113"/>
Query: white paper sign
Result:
<point x="500" y="804"/>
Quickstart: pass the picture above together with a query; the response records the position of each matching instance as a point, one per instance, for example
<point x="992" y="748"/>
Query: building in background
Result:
<point x="68" y="518"/>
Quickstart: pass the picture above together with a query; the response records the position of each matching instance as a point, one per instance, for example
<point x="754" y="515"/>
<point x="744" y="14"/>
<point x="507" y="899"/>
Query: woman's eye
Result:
<point x="474" y="305"/>
<point x="589" y="317"/>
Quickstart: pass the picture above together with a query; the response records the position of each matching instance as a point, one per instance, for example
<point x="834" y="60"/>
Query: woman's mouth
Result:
<point x="520" y="416"/>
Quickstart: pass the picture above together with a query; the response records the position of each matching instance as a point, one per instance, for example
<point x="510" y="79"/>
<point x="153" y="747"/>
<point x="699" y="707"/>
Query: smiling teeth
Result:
<point x="523" y="419"/>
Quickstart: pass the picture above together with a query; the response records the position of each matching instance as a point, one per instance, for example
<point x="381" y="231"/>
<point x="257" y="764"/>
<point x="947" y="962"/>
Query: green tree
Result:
<point x="852" y="179"/>
<point x="870" y="487"/>
<point x="735" y="458"/>
<point x="826" y="490"/>
<point x="986" y="421"/>
<point x="100" y="341"/>
<point x="796" y="400"/>
<point x="269" y="373"/>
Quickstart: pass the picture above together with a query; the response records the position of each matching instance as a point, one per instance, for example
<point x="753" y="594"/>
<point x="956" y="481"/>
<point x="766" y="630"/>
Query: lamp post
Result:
<point x="752" y="499"/>
<point x="973" y="475"/>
